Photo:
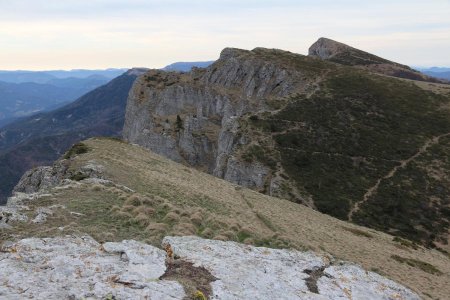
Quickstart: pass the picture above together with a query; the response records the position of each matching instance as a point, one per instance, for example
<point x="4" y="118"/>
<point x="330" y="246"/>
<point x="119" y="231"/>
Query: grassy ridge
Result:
<point x="358" y="127"/>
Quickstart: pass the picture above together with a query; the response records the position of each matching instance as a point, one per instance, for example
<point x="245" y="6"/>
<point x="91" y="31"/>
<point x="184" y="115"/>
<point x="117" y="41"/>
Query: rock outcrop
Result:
<point x="195" y="117"/>
<point x="36" y="182"/>
<point x="332" y="50"/>
<point x="80" y="268"/>
<point x="41" y="178"/>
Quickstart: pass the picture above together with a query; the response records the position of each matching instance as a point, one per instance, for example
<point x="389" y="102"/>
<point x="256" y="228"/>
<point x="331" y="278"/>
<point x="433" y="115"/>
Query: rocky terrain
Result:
<point x="214" y="269"/>
<point x="325" y="132"/>
<point x="73" y="223"/>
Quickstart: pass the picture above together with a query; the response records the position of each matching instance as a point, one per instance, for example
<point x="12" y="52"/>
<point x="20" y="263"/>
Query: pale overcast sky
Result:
<point x="66" y="34"/>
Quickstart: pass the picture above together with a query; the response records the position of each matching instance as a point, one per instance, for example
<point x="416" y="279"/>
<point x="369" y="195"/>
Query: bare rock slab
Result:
<point x="246" y="272"/>
<point x="80" y="268"/>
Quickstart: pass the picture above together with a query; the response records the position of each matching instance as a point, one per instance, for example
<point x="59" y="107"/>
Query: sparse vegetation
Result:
<point x="198" y="295"/>
<point x="354" y="130"/>
<point x="358" y="232"/>
<point x="211" y="208"/>
<point x="178" y="123"/>
<point x="424" y="266"/>
<point x="78" y="176"/>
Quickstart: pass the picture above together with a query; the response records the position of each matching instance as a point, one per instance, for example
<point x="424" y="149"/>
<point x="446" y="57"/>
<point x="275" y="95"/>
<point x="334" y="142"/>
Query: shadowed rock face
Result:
<point x="337" y="52"/>
<point x="37" y="268"/>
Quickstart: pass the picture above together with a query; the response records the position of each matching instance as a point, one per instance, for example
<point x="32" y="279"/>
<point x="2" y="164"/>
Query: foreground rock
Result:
<point x="77" y="268"/>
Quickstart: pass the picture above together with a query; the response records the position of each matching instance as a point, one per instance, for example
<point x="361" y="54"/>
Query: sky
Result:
<point x="98" y="34"/>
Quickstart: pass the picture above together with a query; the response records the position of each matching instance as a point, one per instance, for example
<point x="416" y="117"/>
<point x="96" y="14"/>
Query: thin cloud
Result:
<point x="38" y="34"/>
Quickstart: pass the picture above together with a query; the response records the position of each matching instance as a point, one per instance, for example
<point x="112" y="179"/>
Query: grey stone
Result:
<point x="41" y="215"/>
<point x="42" y="178"/>
<point x="246" y="272"/>
<point x="10" y="215"/>
<point x="80" y="268"/>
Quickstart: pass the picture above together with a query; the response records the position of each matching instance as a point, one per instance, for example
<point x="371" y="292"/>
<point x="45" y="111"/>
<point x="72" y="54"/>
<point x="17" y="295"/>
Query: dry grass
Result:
<point x="171" y="199"/>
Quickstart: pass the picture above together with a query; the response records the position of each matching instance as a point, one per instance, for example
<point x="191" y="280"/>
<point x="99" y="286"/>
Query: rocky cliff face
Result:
<point x="195" y="117"/>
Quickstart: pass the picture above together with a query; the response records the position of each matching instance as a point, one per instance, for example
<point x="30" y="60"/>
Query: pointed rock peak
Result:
<point x="326" y="48"/>
<point x="346" y="55"/>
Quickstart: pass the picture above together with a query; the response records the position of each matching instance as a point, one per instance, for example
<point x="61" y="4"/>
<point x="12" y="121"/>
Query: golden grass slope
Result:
<point x="168" y="198"/>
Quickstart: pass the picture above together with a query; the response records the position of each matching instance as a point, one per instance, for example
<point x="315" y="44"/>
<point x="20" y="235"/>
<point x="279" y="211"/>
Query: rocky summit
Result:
<point x="341" y="53"/>
<point x="39" y="268"/>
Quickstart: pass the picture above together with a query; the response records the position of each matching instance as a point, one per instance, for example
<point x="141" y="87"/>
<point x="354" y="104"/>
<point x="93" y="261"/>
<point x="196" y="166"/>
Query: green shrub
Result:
<point x="78" y="176"/>
<point x="424" y="266"/>
<point x="78" y="148"/>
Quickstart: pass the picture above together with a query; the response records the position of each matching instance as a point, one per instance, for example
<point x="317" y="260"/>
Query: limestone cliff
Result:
<point x="195" y="117"/>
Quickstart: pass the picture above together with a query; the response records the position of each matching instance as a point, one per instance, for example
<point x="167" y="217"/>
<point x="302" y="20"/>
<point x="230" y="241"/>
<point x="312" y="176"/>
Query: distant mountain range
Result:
<point x="187" y="66"/>
<point x="438" y="72"/>
<point x="27" y="98"/>
<point x="23" y="93"/>
<point x="42" y="138"/>
<point x="48" y="76"/>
